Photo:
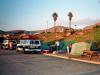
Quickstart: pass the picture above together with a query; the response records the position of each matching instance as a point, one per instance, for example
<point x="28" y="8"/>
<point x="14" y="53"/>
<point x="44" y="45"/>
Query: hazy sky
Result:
<point x="37" y="14"/>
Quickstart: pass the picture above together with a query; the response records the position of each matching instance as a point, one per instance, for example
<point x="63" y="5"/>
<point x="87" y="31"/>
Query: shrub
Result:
<point x="95" y="37"/>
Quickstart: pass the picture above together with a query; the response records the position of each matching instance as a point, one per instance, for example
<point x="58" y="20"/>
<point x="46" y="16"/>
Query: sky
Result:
<point x="37" y="14"/>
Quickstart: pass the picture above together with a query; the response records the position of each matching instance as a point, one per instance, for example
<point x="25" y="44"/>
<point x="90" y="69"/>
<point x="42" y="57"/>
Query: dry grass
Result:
<point x="77" y="36"/>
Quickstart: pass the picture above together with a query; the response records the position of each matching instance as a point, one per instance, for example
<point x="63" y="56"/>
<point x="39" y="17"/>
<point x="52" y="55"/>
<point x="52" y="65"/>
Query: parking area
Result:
<point x="13" y="63"/>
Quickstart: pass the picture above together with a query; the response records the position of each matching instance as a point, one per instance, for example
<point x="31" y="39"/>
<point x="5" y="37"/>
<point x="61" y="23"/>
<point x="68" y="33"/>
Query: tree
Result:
<point x="54" y="15"/>
<point x="70" y="18"/>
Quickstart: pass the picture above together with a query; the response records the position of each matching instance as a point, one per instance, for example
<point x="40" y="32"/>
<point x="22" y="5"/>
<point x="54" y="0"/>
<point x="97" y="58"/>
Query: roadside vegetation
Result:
<point x="95" y="36"/>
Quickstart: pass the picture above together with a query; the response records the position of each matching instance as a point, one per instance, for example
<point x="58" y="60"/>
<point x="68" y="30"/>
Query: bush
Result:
<point x="51" y="42"/>
<point x="43" y="33"/>
<point x="95" y="37"/>
<point x="79" y="38"/>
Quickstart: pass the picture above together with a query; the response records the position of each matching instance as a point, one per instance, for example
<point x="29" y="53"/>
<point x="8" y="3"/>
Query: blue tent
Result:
<point x="44" y="46"/>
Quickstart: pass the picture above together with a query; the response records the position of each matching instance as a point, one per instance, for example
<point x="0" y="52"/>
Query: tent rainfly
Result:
<point x="78" y="48"/>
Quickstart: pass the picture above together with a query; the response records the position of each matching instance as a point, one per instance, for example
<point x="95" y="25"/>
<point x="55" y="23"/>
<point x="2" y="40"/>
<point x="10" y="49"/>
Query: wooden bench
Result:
<point x="90" y="54"/>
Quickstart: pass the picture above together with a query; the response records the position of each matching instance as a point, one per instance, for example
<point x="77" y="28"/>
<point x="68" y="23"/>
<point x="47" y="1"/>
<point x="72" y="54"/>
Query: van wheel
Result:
<point x="17" y="50"/>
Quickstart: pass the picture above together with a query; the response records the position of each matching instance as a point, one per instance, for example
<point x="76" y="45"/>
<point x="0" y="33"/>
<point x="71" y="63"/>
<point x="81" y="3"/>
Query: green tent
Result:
<point x="77" y="48"/>
<point x="70" y="42"/>
<point x="62" y="46"/>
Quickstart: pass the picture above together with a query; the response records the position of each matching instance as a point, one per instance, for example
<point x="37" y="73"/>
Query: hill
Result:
<point x="12" y="32"/>
<point x="92" y="26"/>
<point x="76" y="35"/>
<point x="61" y="33"/>
<point x="52" y="29"/>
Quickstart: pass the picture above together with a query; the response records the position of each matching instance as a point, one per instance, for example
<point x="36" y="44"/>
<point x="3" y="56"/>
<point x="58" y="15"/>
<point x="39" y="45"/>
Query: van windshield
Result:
<point x="34" y="42"/>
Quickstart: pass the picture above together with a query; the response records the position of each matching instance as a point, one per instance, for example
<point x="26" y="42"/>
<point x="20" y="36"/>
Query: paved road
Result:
<point x="12" y="63"/>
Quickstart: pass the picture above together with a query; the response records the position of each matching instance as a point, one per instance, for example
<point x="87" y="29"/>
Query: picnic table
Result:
<point x="90" y="54"/>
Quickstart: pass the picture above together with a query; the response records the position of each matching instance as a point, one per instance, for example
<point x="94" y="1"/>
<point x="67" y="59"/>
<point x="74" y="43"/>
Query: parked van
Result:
<point x="29" y="45"/>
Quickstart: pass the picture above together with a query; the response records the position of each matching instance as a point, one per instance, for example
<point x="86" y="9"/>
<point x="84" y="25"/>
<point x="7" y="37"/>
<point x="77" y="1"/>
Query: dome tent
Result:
<point x="62" y="46"/>
<point x="70" y="42"/>
<point x="78" y="48"/>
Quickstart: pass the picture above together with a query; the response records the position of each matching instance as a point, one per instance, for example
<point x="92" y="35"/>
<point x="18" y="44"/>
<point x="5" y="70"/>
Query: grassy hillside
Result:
<point x="76" y="35"/>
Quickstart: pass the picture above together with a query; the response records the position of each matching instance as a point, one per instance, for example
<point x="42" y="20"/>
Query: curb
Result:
<point x="86" y="61"/>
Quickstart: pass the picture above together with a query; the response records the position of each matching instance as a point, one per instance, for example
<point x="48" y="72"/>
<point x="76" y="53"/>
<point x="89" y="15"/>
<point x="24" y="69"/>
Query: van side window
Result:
<point x="27" y="41"/>
<point x="36" y="42"/>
